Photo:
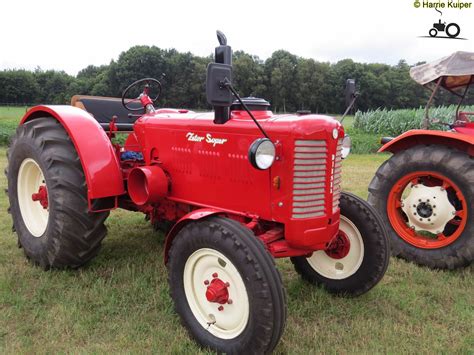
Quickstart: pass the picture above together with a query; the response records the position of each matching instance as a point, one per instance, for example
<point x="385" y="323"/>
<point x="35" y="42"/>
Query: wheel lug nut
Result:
<point x="419" y="200"/>
<point x="414" y="205"/>
<point x="206" y="282"/>
<point x="229" y="301"/>
<point x="220" y="309"/>
<point x="227" y="284"/>
<point x="214" y="275"/>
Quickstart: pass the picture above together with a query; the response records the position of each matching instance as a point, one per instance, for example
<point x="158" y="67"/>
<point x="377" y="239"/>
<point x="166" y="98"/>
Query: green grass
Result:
<point x="120" y="301"/>
<point x="9" y="118"/>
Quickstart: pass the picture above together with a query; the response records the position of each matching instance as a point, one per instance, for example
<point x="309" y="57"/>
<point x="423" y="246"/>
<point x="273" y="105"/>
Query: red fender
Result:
<point x="414" y="137"/>
<point x="191" y="216"/>
<point x="99" y="161"/>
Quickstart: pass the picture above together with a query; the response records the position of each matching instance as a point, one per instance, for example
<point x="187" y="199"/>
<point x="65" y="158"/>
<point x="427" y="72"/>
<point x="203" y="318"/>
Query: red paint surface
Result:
<point x="217" y="291"/>
<point x="41" y="196"/>
<point x="98" y="158"/>
<point x="209" y="171"/>
<point x="462" y="139"/>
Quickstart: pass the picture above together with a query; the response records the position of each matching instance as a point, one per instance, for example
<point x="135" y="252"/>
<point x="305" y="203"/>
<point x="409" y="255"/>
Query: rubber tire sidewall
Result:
<point x="461" y="251"/>
<point x="34" y="247"/>
<point x="73" y="234"/>
<point x="376" y="251"/>
<point x="202" y="234"/>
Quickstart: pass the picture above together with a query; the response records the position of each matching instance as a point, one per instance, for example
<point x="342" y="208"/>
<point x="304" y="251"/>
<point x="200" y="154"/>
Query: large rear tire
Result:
<point x="424" y="195"/>
<point x="226" y="288"/>
<point x="357" y="260"/>
<point x="48" y="197"/>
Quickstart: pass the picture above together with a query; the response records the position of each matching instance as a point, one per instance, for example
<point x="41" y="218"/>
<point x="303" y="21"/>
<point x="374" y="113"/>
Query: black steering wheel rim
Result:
<point x="135" y="83"/>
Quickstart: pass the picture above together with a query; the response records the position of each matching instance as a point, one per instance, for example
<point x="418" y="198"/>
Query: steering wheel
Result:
<point x="145" y="92"/>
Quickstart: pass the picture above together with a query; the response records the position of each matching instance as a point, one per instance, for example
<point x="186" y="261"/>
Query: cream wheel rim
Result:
<point x="225" y="321"/>
<point x="338" y="269"/>
<point x="30" y="179"/>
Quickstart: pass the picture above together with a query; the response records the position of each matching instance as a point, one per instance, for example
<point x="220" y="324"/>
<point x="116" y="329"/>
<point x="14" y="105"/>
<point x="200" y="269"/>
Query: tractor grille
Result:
<point x="337" y="176"/>
<point x="309" y="178"/>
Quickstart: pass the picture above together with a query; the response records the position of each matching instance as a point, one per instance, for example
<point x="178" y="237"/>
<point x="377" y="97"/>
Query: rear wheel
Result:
<point x="453" y="30"/>
<point x="356" y="259"/>
<point x="226" y="287"/>
<point x="48" y="197"/>
<point x="423" y="195"/>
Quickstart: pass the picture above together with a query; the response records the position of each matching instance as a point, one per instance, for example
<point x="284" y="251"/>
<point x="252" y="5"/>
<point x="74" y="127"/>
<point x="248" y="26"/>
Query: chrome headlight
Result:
<point x="262" y="153"/>
<point x="346" y="146"/>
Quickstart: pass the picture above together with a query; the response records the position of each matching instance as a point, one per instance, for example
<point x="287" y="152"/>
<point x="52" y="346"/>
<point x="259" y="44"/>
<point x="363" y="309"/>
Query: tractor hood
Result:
<point x="208" y="164"/>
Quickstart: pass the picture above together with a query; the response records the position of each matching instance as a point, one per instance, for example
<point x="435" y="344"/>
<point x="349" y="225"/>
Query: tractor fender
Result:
<point x="414" y="137"/>
<point x="98" y="158"/>
<point x="190" y="217"/>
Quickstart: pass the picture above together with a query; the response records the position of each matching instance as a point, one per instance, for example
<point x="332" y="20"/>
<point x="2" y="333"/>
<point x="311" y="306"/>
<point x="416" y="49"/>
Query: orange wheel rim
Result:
<point x="400" y="222"/>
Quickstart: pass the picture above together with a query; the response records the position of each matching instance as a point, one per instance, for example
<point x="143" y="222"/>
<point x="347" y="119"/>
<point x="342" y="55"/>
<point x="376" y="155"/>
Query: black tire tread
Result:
<point x="458" y="254"/>
<point x="243" y="241"/>
<point x="377" y="267"/>
<point x="75" y="234"/>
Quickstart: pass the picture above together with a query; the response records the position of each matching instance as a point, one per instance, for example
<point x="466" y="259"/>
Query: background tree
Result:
<point x="289" y="82"/>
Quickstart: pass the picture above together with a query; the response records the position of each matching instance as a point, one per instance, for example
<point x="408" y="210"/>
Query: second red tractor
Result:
<point x="424" y="192"/>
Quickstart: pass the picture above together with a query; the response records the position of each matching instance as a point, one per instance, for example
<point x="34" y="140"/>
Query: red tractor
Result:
<point x="425" y="191"/>
<point x="233" y="190"/>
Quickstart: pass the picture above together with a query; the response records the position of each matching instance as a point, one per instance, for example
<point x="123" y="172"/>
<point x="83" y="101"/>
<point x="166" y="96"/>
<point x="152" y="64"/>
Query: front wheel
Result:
<point x="356" y="259"/>
<point x="433" y="32"/>
<point x="226" y="287"/>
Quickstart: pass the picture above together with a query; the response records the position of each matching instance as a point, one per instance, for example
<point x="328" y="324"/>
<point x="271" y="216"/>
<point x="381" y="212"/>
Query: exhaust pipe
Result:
<point x="147" y="184"/>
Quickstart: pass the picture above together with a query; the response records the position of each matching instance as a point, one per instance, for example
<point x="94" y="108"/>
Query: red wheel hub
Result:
<point x="41" y="196"/>
<point x="339" y="246"/>
<point x="398" y="218"/>
<point x="217" y="291"/>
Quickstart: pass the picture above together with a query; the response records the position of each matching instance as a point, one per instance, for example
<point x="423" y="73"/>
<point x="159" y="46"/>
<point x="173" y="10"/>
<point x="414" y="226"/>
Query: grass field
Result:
<point x="120" y="301"/>
<point x="9" y="118"/>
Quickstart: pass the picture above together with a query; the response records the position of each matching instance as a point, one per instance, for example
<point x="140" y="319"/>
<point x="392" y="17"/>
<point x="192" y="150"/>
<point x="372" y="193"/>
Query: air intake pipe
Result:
<point x="147" y="184"/>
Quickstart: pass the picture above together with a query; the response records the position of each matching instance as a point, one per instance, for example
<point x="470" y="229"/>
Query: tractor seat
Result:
<point x="104" y="108"/>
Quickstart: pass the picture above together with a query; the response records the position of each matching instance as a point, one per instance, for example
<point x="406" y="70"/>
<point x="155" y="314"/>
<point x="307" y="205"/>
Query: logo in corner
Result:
<point x="442" y="29"/>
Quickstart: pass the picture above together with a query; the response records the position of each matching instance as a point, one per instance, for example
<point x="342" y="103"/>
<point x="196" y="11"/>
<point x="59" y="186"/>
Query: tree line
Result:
<point x="289" y="82"/>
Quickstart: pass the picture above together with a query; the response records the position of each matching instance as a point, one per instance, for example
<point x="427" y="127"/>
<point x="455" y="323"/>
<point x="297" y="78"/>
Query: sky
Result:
<point x="70" y="35"/>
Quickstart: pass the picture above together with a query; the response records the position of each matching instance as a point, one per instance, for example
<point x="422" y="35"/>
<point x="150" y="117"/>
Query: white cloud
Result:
<point x="69" y="36"/>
